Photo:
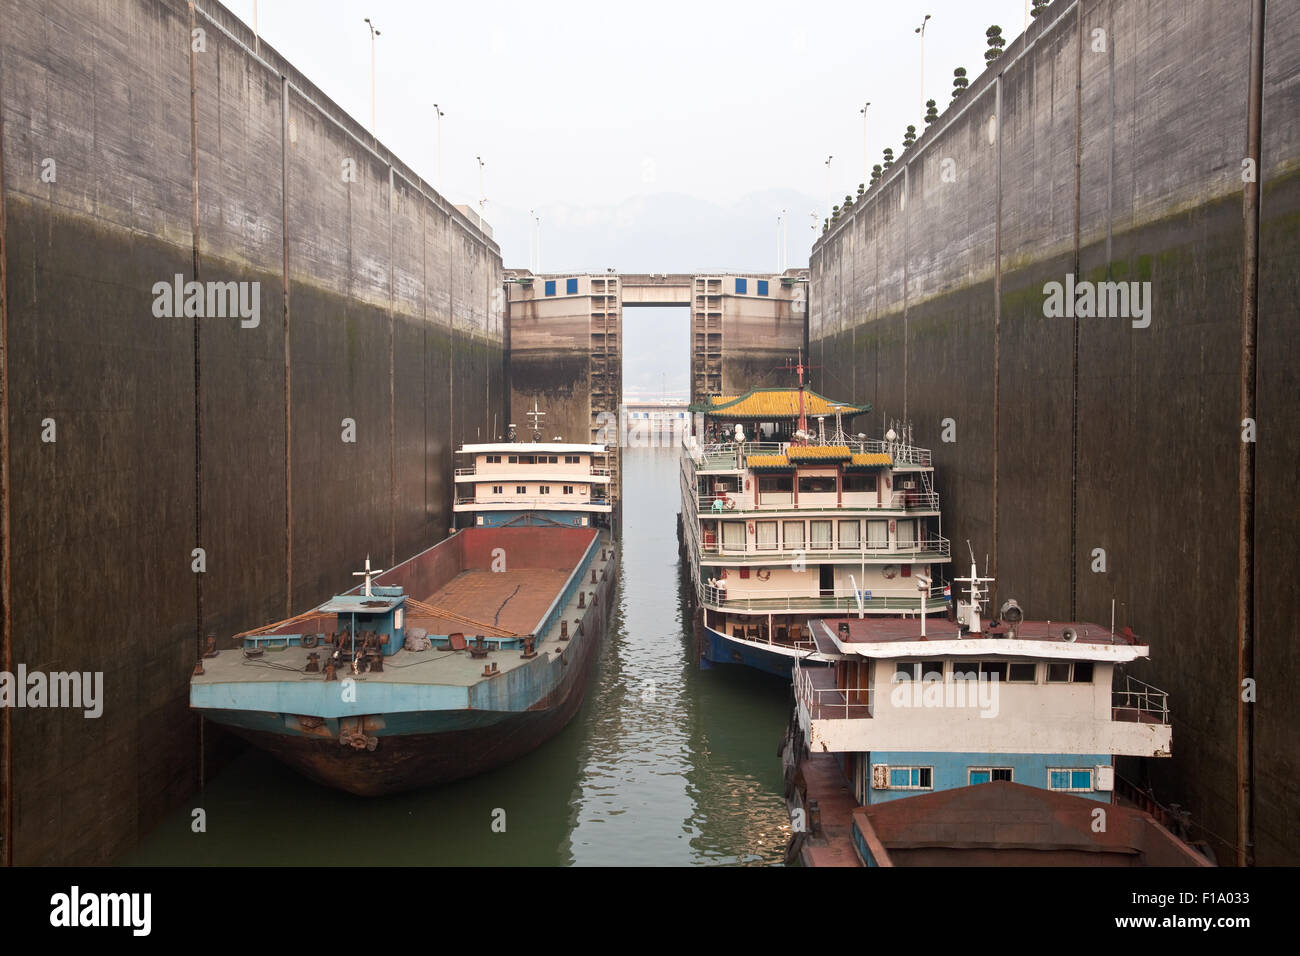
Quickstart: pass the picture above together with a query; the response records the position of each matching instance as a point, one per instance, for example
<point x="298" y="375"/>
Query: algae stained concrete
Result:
<point x="904" y="314"/>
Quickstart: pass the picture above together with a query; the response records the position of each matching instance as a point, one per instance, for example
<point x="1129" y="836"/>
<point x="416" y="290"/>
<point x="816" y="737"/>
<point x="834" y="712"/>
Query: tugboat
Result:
<point x="782" y="523"/>
<point x="459" y="659"/>
<point x="910" y="709"/>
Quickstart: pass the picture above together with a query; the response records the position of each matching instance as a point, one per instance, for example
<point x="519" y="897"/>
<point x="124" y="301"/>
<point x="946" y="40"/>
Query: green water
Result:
<point x="665" y="764"/>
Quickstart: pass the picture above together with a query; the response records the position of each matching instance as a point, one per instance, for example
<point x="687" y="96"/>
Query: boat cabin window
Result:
<point x="497" y="489"/>
<point x="733" y="534"/>
<point x="1022" y="672"/>
<point x="929" y="671"/>
<point x="568" y="489"/>
<point x="878" y="534"/>
<point x="987" y="774"/>
<point x="816" y="484"/>
<point x="572" y="459"/>
<point x="821" y="535"/>
<point x="521" y="489"/>
<point x="543" y="489"/>
<point x="849" y="534"/>
<point x="775" y="483"/>
<point x="1069" y="779"/>
<point x="860" y="483"/>
<point x="911" y="778"/>
<point x="793" y="531"/>
<point x="765" y="537"/>
<point x="1067" y="672"/>
<point x="492" y="459"/>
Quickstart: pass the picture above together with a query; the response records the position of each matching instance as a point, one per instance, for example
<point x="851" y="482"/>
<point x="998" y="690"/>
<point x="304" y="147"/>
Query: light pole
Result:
<point x="778" y="243"/>
<point x="828" y="186"/>
<point x="866" y="158"/>
<point x="538" y="220"/>
<point x="373" y="33"/>
<point x="437" y="118"/>
<point x="482" y="199"/>
<point x="532" y="253"/>
<point x="921" y="30"/>
<point x="257" y="40"/>
<point x="785" y="243"/>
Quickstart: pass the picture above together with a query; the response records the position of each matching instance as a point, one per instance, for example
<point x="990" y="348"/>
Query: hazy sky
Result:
<point x="583" y="111"/>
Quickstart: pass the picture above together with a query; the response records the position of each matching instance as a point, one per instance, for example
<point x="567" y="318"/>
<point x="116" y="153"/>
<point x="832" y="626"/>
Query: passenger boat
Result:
<point x="912" y="708"/>
<point x="782" y="522"/>
<point x="459" y="659"/>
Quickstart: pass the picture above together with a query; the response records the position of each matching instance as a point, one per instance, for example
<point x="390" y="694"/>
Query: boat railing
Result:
<point x="469" y="470"/>
<point x="823" y="699"/>
<point x="928" y="547"/>
<point x="842" y="600"/>
<point x="742" y="503"/>
<point x="1139" y="702"/>
<point x="552" y="503"/>
<point x="731" y="454"/>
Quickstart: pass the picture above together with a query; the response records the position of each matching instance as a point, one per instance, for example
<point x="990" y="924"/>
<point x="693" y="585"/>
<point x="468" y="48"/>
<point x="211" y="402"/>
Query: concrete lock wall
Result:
<point x="903" y="313"/>
<point x="175" y="433"/>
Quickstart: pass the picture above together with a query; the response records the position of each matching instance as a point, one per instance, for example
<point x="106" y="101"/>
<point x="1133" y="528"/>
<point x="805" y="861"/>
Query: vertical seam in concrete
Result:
<point x="424" y="352"/>
<point x="198" y="368"/>
<point x="198" y="374"/>
<point x="1074" y="349"/>
<point x="1110" y="135"/>
<point x="906" y="215"/>
<point x="288" y="355"/>
<point x="6" y="626"/>
<point x="1246" y="454"/>
<point x="997" y="318"/>
<point x="392" y="372"/>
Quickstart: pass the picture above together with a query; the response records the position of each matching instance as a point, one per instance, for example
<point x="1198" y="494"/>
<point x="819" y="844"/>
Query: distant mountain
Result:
<point x="663" y="232"/>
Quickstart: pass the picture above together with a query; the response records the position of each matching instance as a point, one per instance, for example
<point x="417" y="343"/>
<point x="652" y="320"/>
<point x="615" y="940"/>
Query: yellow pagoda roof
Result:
<point x="819" y="453"/>
<point x="775" y="404"/>
<point x="881" y="460"/>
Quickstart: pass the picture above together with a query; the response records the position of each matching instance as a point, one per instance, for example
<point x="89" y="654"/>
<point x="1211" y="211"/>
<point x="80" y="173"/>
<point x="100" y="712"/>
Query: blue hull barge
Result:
<point x="456" y="661"/>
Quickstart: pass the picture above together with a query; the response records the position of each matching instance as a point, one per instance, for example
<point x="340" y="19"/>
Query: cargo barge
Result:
<point x="458" y="660"/>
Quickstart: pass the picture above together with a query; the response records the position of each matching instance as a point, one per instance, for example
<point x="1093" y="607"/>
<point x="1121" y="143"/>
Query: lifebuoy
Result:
<point x="763" y="574"/>
<point x="747" y="481"/>
<point x="751" y="527"/>
<point x="731" y="504"/>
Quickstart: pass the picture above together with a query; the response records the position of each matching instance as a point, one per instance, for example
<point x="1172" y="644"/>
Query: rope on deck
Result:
<point x="491" y="630"/>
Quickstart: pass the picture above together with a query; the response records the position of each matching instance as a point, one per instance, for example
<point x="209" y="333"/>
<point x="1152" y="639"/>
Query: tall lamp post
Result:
<point x="921" y="31"/>
<point x="828" y="186"/>
<point x="866" y="159"/>
<point x="482" y="199"/>
<point x="373" y="33"/>
<point x="437" y="118"/>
